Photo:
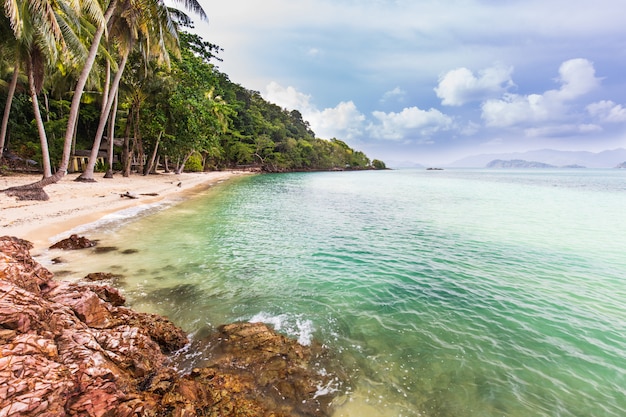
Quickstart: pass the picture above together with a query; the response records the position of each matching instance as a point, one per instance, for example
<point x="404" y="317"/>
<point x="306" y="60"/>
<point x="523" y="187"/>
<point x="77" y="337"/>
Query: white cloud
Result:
<point x="410" y="122"/>
<point x="346" y="122"/>
<point x="607" y="111"/>
<point x="287" y="97"/>
<point x="514" y="109"/>
<point x="460" y="86"/>
<point x="577" y="78"/>
<point x="397" y="94"/>
<point x="343" y="121"/>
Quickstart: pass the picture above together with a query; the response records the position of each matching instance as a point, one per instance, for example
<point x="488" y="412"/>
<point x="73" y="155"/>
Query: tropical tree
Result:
<point x="147" y="24"/>
<point x="38" y="29"/>
<point x="42" y="31"/>
<point x="7" y="51"/>
<point x="100" y="20"/>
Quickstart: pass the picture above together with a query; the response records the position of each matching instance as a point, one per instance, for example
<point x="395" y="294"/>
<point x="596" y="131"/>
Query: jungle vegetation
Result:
<point x="75" y="73"/>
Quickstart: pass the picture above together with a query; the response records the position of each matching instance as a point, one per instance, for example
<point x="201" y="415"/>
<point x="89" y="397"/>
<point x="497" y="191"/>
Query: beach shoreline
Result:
<point x="74" y="203"/>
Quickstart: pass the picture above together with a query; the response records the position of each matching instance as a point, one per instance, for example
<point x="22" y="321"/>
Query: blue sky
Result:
<point x="432" y="81"/>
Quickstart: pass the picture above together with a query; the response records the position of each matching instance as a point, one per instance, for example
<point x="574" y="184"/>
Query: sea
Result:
<point x="449" y="293"/>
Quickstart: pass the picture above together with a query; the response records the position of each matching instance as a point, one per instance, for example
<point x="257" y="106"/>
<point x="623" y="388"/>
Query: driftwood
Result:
<point x="128" y="195"/>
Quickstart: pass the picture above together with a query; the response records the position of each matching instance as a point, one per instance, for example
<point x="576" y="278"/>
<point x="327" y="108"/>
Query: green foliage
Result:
<point x="194" y="163"/>
<point x="189" y="107"/>
<point x="100" y="166"/>
<point x="377" y="164"/>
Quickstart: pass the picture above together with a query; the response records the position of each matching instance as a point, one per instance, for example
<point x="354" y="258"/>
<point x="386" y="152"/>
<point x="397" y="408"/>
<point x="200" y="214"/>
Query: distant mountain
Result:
<point x="604" y="159"/>
<point x="517" y="163"/>
<point x="622" y="165"/>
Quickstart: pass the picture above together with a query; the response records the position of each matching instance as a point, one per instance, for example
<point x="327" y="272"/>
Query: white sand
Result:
<point x="72" y="203"/>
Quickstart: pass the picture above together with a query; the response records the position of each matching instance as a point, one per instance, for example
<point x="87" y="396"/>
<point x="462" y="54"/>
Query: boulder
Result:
<point x="73" y="242"/>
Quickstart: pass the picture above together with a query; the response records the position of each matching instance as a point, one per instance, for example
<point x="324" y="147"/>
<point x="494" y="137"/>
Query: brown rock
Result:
<point x="74" y="242"/>
<point x="17" y="266"/>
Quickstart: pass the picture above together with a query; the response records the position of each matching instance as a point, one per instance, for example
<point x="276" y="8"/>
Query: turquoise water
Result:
<point x="444" y="293"/>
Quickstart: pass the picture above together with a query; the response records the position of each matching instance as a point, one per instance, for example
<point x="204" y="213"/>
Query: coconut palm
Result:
<point x="101" y="20"/>
<point x="7" y="50"/>
<point x="136" y="22"/>
<point x="36" y="37"/>
<point x="192" y="5"/>
<point x="42" y="32"/>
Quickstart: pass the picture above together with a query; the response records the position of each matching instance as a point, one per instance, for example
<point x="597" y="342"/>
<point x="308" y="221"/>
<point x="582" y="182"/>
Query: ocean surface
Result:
<point x="465" y="293"/>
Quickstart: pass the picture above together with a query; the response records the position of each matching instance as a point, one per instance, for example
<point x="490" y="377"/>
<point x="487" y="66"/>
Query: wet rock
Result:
<point x="74" y="242"/>
<point x="105" y="249"/>
<point x="17" y="266"/>
<point x="109" y="294"/>
<point x="73" y="349"/>
<point x="278" y="372"/>
<point x="99" y="276"/>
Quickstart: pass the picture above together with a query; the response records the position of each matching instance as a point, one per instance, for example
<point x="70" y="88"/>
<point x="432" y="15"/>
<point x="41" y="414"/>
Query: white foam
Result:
<point x="116" y="217"/>
<point x="302" y="329"/>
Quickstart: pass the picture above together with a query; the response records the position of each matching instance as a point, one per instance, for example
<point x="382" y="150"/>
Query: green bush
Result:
<point x="194" y="164"/>
<point x="377" y="164"/>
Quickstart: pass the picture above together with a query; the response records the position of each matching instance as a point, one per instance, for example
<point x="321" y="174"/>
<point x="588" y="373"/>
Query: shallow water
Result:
<point x="444" y="293"/>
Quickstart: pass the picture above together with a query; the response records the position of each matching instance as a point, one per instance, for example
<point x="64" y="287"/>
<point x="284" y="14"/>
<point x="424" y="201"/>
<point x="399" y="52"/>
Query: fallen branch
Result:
<point x="128" y="195"/>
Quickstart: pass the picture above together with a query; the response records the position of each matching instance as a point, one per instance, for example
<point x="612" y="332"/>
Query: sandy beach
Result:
<point x="72" y="203"/>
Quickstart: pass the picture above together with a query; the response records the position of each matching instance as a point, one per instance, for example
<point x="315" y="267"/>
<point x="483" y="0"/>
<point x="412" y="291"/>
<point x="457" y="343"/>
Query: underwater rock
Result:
<point x="73" y="242"/>
<point x="72" y="349"/>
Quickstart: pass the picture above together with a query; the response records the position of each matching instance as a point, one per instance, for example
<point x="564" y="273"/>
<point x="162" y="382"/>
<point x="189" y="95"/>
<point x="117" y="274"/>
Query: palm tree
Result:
<point x="37" y="37"/>
<point x="7" y="49"/>
<point x="150" y="25"/>
<point x="101" y="20"/>
<point x="192" y="5"/>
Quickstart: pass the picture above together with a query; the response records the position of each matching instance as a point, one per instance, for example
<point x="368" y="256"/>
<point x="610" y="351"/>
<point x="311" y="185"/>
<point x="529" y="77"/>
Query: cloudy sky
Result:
<point x="432" y="81"/>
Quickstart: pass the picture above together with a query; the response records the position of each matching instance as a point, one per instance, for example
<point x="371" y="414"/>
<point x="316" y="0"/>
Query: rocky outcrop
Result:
<point x="73" y="349"/>
<point x="73" y="242"/>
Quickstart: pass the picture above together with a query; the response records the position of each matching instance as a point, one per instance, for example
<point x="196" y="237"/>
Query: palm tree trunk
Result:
<point x="87" y="175"/>
<point x="78" y="93"/>
<point x="110" y="156"/>
<point x="127" y="155"/>
<point x="45" y="154"/>
<point x="7" y="107"/>
<point x="137" y="139"/>
<point x="148" y="168"/>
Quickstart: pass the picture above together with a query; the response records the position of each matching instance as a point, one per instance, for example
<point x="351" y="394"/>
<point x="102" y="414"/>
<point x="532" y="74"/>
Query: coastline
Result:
<point x="74" y="204"/>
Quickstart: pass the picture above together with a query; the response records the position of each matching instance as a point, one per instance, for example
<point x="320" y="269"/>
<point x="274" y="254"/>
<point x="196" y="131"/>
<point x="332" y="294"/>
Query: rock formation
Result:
<point x="73" y="349"/>
<point x="73" y="242"/>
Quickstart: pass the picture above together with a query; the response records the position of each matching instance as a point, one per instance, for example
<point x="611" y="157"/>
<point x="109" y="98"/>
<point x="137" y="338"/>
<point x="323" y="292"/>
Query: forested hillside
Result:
<point x="151" y="86"/>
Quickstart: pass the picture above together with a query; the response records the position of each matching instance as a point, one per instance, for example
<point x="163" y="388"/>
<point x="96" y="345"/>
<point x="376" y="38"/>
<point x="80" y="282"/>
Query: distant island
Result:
<point x="564" y="159"/>
<point x="622" y="165"/>
<point x="517" y="163"/>
<point x="520" y="163"/>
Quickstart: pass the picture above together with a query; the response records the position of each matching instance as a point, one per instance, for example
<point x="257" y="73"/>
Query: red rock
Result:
<point x="73" y="242"/>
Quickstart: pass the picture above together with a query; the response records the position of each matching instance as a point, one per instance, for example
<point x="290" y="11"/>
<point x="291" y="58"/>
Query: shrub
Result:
<point x="194" y="164"/>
